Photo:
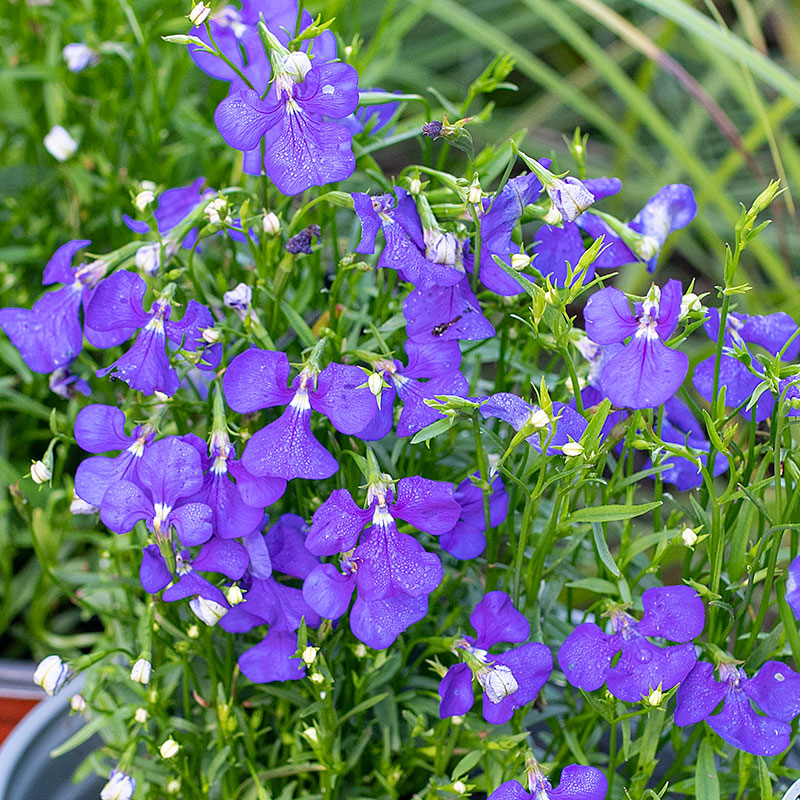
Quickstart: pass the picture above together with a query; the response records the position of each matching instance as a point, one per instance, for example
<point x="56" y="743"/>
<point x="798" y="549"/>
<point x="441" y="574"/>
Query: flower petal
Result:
<point x="427" y="505"/>
<point x="608" y="317"/>
<point x="675" y="613"/>
<point x="495" y="619"/>
<point x="257" y="379"/>
<point x="378" y="623"/>
<point x="336" y="524"/>
<point x="328" y="591"/>
<point x="455" y="691"/>
<point x="586" y="655"/>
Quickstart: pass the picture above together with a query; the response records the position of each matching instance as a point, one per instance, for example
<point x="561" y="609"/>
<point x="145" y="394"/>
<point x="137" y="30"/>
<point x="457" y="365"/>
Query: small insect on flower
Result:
<point x="51" y="674"/>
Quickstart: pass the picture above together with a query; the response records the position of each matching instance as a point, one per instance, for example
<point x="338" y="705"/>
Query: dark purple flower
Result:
<point x="510" y="680"/>
<point x="645" y="373"/>
<point x="167" y="475"/>
<point x="577" y="783"/>
<point x="672" y="208"/>
<point x="286" y="448"/>
<point x="423" y="257"/>
<point x="301" y="149"/>
<point x="565" y="426"/>
<point x="116" y="311"/>
<point x="674" y="613"/>
<point x="301" y="242"/>
<point x="63" y="383"/>
<point x="793" y="586"/>
<point x="445" y="313"/>
<point x="49" y="335"/>
<point x="101" y="429"/>
<point x="775" y="691"/>
<point x="391" y="570"/>
<point x="771" y="332"/>
<point x="467" y="539"/>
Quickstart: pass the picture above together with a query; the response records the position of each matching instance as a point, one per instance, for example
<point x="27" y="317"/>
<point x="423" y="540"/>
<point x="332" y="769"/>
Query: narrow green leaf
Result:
<point x="763" y="779"/>
<point x="611" y="513"/>
<point x="466" y="764"/>
<point x="602" y="549"/>
<point x="597" y="585"/>
<point x="706" y="778"/>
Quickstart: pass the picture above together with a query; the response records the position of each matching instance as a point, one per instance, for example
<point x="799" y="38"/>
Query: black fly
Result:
<point x="442" y="327"/>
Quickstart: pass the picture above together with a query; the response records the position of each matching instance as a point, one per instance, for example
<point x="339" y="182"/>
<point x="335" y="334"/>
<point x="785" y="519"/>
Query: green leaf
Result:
<point x="611" y="513"/>
<point x="363" y="706"/>
<point x="466" y="764"/>
<point x="597" y="585"/>
<point x="763" y="779"/>
<point x="603" y="551"/>
<point x="706" y="778"/>
<point x="433" y="430"/>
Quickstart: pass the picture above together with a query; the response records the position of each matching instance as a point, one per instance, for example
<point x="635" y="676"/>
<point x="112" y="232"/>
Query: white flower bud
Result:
<point x="199" y="14"/>
<point x="234" y="595"/>
<point x="539" y="419"/>
<point x="120" y="786"/>
<point x="140" y="671"/>
<point x="207" y="611"/>
<point x="474" y="195"/>
<point x="520" y="261"/>
<point x="148" y="258"/>
<point x="144" y="198"/>
<point x="689" y="302"/>
<point x="440" y="247"/>
<point x="297" y="65"/>
<point x="40" y="472"/>
<point x="498" y="682"/>
<point x="141" y="716"/>
<point x="459" y="787"/>
<point x="169" y="749"/>
<point x="360" y="651"/>
<point x="572" y="449"/>
<point x="77" y="703"/>
<point x="59" y="143"/>
<point x="270" y="223"/>
<point x="317" y="677"/>
<point x="160" y="396"/>
<point x="689" y="537"/>
<point x="193" y="632"/>
<point x="211" y="335"/>
<point x="415" y="187"/>
<point x="457" y="720"/>
<point x="655" y="697"/>
<point x="78" y="506"/>
<point x="174" y="786"/>
<point x="311" y="735"/>
<point x="217" y="211"/>
<point x="51" y="674"/>
<point x="78" y="56"/>
<point x="553" y="216"/>
<point x="310" y="655"/>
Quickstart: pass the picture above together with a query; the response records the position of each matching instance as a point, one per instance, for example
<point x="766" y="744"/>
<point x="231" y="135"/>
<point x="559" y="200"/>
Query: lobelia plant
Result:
<point x="284" y="609"/>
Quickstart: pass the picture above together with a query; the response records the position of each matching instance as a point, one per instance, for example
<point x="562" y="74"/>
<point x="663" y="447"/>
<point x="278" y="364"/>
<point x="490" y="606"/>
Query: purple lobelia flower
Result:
<point x="423" y="256"/>
<point x="445" y="313"/>
<point x="301" y="149"/>
<point x="555" y="246"/>
<point x="771" y="332"/>
<point x="286" y="448"/>
<point x="577" y="783"/>
<point x="467" y="538"/>
<point x="566" y="424"/>
<point x="775" y="690"/>
<point x="268" y="602"/>
<point x="793" y="586"/>
<point x="674" y="613"/>
<point x="373" y="119"/>
<point x="63" y="383"/>
<point x="167" y="475"/>
<point x="509" y="680"/>
<point x="237" y="508"/>
<point x="49" y="335"/>
<point x="438" y="361"/>
<point x="116" y="311"/>
<point x="391" y="570"/>
<point x="101" y="429"/>
<point x="645" y="373"/>
<point x="672" y="208"/>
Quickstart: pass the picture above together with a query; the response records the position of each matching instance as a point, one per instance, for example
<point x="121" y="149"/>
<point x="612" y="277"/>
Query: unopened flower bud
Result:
<point x="415" y="187"/>
<point x="498" y="682"/>
<point x="207" y="611"/>
<point x="552" y="217"/>
<point x="140" y="671"/>
<point x="169" y="749"/>
<point x="78" y="56"/>
<point x="148" y="258"/>
<point x="141" y="715"/>
<point x="317" y="677"/>
<point x="689" y="537"/>
<point x="572" y="449"/>
<point x="270" y="223"/>
<point x="174" y="786"/>
<point x="297" y="64"/>
<point x="459" y="787"/>
<point x="311" y="735"/>
<point x="211" y="335"/>
<point x="689" y="302"/>
<point x="474" y="195"/>
<point x="193" y="632"/>
<point x="51" y="674"/>
<point x="77" y="703"/>
<point x="655" y="697"/>
<point x="217" y="211"/>
<point x="59" y="143"/>
<point x="234" y="595"/>
<point x="360" y="651"/>
<point x="310" y="655"/>
<point x="144" y="198"/>
<point x="539" y="419"/>
<point x="440" y="247"/>
<point x="153" y="696"/>
<point x="40" y="472"/>
<point x="520" y="261"/>
<point x="199" y="14"/>
<point x="120" y="786"/>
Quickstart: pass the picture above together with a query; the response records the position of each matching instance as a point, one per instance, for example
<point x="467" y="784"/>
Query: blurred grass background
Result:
<point x="707" y="94"/>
